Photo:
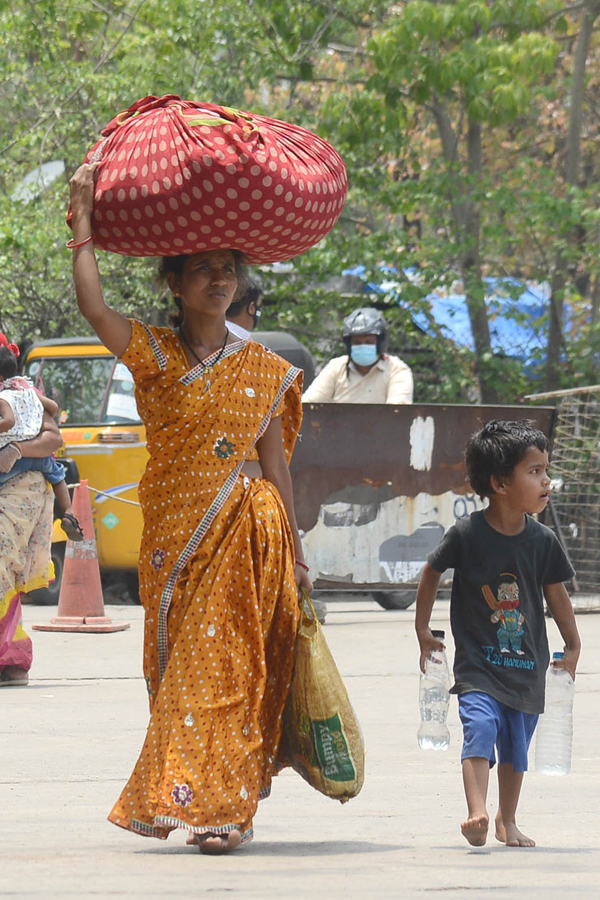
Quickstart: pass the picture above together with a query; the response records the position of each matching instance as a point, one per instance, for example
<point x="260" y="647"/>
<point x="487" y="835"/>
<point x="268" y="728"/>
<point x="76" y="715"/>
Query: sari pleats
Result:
<point x="26" y="502"/>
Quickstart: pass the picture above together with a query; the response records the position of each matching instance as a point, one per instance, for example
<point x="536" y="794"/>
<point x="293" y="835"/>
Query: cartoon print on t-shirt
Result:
<point x="506" y="612"/>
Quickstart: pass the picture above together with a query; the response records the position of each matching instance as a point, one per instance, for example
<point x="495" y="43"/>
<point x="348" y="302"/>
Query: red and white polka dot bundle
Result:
<point x="179" y="177"/>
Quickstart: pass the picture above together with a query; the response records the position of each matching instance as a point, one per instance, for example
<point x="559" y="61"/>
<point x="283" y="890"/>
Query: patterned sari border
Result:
<point x="159" y="353"/>
<point x="200" y="369"/>
<point x="290" y="377"/>
<point x="192" y="545"/>
<point x="162" y="822"/>
<point x="40" y="581"/>
<point x="196" y="539"/>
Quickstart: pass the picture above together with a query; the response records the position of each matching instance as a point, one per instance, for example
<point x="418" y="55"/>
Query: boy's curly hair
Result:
<point x="496" y="448"/>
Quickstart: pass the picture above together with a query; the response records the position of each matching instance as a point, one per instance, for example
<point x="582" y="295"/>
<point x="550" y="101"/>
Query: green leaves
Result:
<point x="451" y="118"/>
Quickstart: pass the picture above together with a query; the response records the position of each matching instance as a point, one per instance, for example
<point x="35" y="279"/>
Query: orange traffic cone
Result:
<point x="80" y="602"/>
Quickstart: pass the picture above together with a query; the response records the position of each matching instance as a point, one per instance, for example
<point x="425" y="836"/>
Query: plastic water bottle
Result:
<point x="434" y="700"/>
<point x="555" y="727"/>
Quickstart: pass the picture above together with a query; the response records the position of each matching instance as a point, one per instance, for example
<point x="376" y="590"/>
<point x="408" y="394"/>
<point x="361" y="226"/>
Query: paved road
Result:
<point x="69" y="741"/>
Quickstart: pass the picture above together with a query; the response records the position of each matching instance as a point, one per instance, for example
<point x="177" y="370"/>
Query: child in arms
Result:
<point x="21" y="412"/>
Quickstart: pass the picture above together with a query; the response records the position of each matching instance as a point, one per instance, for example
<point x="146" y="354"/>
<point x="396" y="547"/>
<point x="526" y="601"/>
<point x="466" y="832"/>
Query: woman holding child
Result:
<point x="26" y="506"/>
<point x="221" y="557"/>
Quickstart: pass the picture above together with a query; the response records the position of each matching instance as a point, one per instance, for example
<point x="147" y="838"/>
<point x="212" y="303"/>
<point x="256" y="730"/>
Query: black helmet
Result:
<point x="365" y="321"/>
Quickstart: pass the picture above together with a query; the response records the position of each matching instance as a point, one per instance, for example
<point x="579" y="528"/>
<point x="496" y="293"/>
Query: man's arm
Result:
<point x="400" y="387"/>
<point x="322" y="389"/>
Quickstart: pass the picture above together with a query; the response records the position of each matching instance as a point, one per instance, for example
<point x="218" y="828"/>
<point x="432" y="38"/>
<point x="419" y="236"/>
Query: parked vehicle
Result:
<point x="105" y="443"/>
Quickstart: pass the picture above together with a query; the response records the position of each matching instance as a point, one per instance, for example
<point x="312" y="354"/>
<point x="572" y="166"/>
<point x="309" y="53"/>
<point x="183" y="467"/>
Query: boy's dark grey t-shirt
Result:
<point x="497" y="607"/>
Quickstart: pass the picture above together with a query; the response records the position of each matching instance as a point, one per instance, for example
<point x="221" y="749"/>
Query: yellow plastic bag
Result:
<point x="321" y="734"/>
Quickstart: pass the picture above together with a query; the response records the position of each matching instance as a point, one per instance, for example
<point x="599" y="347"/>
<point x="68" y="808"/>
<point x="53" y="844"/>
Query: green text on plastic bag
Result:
<point x="332" y="749"/>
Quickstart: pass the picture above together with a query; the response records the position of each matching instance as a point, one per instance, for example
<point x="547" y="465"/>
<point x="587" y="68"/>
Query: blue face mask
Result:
<point x="364" y="354"/>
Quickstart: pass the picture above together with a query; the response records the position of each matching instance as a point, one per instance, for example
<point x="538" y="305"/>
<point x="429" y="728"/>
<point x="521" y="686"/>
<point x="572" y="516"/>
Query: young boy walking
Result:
<point x="504" y="564"/>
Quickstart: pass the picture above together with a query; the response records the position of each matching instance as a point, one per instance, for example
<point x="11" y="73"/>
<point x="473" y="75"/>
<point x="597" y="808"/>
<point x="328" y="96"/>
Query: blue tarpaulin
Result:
<point x="516" y="311"/>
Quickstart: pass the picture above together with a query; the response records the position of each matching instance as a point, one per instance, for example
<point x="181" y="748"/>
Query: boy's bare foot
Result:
<point x="511" y="836"/>
<point x="216" y="844"/>
<point x="475" y="830"/>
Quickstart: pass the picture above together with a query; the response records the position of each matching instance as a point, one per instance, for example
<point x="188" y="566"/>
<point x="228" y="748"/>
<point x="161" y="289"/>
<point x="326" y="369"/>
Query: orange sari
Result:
<point x="217" y="585"/>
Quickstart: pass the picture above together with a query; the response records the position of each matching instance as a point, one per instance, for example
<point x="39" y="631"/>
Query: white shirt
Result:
<point x="28" y="411"/>
<point x="389" y="381"/>
<point x="238" y="331"/>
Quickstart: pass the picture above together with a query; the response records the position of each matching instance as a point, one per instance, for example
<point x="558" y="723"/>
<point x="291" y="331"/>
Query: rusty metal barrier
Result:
<point x="376" y="487"/>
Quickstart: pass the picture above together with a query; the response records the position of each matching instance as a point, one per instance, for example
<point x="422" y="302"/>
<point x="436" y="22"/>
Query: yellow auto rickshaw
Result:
<point x="105" y="443"/>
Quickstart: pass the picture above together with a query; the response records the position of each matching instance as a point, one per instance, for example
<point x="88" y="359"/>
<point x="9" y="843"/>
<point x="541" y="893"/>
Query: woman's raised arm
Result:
<point x="113" y="329"/>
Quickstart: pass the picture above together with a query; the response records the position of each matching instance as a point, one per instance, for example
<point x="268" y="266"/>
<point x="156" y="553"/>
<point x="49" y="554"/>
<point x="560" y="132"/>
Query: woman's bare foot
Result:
<point x="511" y="836"/>
<point x="475" y="830"/>
<point x="216" y="844"/>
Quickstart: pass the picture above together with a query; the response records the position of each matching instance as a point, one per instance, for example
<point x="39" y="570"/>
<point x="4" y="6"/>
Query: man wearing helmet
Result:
<point x="367" y="374"/>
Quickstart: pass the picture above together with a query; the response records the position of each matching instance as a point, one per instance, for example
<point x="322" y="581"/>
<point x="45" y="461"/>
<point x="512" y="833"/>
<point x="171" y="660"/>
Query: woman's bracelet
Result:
<point x="304" y="566"/>
<point x="17" y="448"/>
<point x="73" y="246"/>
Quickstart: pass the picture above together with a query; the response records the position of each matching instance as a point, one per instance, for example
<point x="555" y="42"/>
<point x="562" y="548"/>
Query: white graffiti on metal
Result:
<point x="341" y="548"/>
<point x="422" y="439"/>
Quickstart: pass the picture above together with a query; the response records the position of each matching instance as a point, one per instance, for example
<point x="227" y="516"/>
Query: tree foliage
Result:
<point x="454" y="119"/>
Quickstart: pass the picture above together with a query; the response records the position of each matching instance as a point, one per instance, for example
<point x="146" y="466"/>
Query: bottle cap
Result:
<point x="439" y="634"/>
<point x="557" y="655"/>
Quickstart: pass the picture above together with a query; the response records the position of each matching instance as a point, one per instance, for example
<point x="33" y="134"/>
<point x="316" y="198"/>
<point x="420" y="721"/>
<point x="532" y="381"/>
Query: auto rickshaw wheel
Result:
<point x="394" y="599"/>
<point x="133" y="586"/>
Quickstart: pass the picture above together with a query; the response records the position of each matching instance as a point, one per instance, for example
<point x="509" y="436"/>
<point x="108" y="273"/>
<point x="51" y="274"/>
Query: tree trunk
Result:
<point x="590" y="13"/>
<point x="467" y="220"/>
<point x="471" y="269"/>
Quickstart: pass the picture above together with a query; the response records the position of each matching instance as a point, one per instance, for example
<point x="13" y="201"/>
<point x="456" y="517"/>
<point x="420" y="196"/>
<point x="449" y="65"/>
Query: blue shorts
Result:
<point x="52" y="470"/>
<point x="489" y="724"/>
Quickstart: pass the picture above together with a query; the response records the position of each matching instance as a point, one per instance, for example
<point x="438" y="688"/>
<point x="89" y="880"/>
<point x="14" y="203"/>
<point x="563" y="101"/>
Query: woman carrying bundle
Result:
<point x="221" y="557"/>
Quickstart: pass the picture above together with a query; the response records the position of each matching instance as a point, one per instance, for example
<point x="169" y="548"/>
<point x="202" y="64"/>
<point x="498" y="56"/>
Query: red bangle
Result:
<point x="71" y="246"/>
<point x="304" y="566"/>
